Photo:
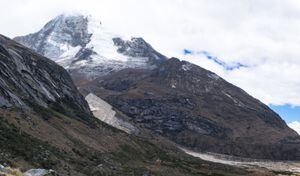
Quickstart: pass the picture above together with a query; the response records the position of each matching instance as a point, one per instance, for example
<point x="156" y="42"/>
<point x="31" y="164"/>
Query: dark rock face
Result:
<point x="138" y="47"/>
<point x="27" y="78"/>
<point x="83" y="54"/>
<point x="198" y="109"/>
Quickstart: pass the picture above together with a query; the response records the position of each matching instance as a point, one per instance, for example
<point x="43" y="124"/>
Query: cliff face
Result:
<point x="27" y="78"/>
<point x="199" y="110"/>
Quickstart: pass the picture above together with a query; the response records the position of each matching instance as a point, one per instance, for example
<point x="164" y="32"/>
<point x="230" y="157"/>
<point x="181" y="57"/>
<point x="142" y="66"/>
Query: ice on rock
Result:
<point x="186" y="66"/>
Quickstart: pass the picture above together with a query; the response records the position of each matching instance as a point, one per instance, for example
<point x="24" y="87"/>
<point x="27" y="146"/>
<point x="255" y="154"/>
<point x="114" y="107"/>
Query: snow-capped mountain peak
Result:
<point x="58" y="36"/>
<point x="82" y="44"/>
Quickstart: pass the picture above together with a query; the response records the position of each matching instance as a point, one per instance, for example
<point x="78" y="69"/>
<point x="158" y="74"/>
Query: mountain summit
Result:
<point x="82" y="45"/>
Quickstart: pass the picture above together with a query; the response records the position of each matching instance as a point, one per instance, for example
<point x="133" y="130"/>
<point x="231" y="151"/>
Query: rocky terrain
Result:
<point x="173" y="99"/>
<point x="8" y="171"/>
<point x="280" y="167"/>
<point x="28" y="78"/>
<point x="197" y="109"/>
<point x="45" y="124"/>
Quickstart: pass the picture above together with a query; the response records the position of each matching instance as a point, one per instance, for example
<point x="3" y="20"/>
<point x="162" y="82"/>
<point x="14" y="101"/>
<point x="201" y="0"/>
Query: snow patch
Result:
<point x="173" y="85"/>
<point x="48" y="94"/>
<point x="213" y="76"/>
<point x="69" y="51"/>
<point x="186" y="67"/>
<point x="101" y="41"/>
<point x="236" y="101"/>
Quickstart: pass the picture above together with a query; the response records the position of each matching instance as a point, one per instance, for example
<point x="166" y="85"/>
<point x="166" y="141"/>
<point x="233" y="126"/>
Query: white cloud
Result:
<point x="295" y="126"/>
<point x="274" y="83"/>
<point x="264" y="34"/>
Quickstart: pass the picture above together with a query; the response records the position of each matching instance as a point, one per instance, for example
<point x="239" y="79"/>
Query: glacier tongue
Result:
<point x="104" y="112"/>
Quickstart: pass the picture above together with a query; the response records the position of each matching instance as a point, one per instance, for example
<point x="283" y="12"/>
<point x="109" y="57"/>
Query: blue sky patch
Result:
<point x="287" y="112"/>
<point x="226" y="66"/>
<point x="187" y="52"/>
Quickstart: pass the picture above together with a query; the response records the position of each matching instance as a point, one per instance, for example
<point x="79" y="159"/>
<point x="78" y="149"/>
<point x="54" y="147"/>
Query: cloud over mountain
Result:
<point x="295" y="126"/>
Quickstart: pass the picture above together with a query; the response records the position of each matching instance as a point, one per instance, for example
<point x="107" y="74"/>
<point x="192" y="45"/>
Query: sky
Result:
<point x="253" y="44"/>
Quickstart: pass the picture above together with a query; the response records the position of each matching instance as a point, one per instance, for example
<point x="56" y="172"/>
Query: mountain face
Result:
<point x="180" y="101"/>
<point x="199" y="110"/>
<point x="28" y="78"/>
<point x="46" y="123"/>
<point x="87" y="49"/>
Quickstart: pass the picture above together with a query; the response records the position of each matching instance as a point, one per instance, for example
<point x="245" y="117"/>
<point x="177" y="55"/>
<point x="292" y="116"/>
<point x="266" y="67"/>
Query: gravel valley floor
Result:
<point x="280" y="167"/>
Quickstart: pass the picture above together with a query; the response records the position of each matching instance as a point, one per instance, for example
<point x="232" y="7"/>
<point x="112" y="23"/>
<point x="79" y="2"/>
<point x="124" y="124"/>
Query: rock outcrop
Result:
<point x="29" y="79"/>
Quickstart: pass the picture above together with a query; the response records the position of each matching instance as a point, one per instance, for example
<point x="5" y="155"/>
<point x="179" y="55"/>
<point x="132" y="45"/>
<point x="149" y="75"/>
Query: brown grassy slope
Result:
<point x="29" y="140"/>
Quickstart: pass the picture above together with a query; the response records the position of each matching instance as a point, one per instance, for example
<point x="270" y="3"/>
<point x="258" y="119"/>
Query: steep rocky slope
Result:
<point x="46" y="123"/>
<point x="199" y="110"/>
<point x="28" y="78"/>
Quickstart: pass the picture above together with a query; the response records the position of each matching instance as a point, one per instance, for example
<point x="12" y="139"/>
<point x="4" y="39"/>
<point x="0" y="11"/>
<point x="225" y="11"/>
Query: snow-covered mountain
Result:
<point x="82" y="45"/>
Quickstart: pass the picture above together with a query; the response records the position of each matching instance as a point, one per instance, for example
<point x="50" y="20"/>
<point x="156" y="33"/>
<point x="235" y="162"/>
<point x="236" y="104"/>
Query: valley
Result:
<point x="279" y="167"/>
